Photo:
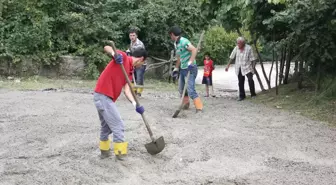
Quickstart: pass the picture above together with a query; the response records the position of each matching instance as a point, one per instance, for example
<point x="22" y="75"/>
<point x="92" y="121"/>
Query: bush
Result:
<point x="42" y="30"/>
<point x="219" y="43"/>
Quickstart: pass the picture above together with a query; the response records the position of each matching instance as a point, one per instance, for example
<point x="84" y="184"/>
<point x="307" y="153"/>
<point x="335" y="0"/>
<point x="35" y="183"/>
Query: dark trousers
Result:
<point x="241" y="82"/>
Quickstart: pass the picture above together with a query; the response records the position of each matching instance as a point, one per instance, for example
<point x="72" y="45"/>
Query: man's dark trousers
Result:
<point x="241" y="82"/>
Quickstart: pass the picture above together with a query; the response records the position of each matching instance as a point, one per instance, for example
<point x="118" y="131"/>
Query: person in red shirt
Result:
<point x="207" y="75"/>
<point x="107" y="90"/>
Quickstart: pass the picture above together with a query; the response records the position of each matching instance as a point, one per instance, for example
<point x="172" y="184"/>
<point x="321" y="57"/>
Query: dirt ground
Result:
<point x="52" y="138"/>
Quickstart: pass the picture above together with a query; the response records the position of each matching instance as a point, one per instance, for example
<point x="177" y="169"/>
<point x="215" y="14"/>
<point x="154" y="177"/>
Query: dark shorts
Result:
<point x="207" y="80"/>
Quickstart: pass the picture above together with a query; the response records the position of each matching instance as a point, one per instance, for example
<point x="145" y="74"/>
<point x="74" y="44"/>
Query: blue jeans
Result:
<point x="191" y="82"/>
<point x="140" y="74"/>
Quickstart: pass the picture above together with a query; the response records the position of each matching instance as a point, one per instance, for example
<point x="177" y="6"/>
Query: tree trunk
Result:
<point x="261" y="64"/>
<point x="288" y="62"/>
<point x="282" y="65"/>
<point x="270" y="73"/>
<point x="1" y="8"/>
<point x="306" y="67"/>
<point x="9" y="66"/>
<point x="296" y="68"/>
<point x="281" y="58"/>
<point x="238" y="31"/>
<point x="318" y="79"/>
<point x="259" y="80"/>
<point x="276" y="75"/>
<point x="300" y="74"/>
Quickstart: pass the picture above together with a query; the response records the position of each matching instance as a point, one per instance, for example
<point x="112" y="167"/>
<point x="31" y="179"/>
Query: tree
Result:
<point x="219" y="43"/>
<point x="43" y="29"/>
<point x="303" y="29"/>
<point x="311" y="34"/>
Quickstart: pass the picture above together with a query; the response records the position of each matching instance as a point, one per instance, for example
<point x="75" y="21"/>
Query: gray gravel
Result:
<point x="53" y="137"/>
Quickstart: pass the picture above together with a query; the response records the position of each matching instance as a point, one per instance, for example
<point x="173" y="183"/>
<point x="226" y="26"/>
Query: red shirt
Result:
<point x="208" y="68"/>
<point x="112" y="79"/>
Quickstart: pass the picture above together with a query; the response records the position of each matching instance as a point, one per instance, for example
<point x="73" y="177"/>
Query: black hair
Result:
<point x="175" y="30"/>
<point x="207" y="54"/>
<point x="139" y="52"/>
<point x="133" y="30"/>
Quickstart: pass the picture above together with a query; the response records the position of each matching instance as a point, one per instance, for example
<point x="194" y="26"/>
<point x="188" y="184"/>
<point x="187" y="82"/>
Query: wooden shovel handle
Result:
<point x="133" y="93"/>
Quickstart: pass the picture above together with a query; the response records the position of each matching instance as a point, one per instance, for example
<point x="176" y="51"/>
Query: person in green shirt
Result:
<point x="186" y="54"/>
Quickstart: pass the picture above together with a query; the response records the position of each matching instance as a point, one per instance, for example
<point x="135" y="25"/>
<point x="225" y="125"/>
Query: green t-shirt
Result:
<point x="183" y="52"/>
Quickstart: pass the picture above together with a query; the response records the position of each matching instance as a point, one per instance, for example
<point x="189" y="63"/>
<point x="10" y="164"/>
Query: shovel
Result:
<point x="176" y="113"/>
<point x="156" y="146"/>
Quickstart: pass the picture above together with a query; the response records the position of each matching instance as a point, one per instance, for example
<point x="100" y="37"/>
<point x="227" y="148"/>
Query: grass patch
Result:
<point x="304" y="102"/>
<point x="39" y="83"/>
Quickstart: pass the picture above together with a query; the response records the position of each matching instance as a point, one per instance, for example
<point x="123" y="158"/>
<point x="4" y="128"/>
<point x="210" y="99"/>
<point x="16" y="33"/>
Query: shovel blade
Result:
<point x="176" y="113"/>
<point x="155" y="147"/>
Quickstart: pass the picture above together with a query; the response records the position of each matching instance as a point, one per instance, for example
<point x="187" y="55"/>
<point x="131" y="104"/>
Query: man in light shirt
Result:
<point x="244" y="65"/>
<point x="139" y="72"/>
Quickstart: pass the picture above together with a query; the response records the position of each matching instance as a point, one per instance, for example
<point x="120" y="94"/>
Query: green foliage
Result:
<point x="312" y="30"/>
<point x="226" y="12"/>
<point x="329" y="87"/>
<point x="306" y="28"/>
<point x="276" y="1"/>
<point x="25" y="30"/>
<point x="153" y="19"/>
<point x="219" y="43"/>
<point x="44" y="29"/>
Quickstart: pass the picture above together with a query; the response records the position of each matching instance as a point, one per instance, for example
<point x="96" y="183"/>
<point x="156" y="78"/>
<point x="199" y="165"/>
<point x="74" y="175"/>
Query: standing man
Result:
<point x="139" y="72"/>
<point x="244" y="64"/>
<point x="106" y="93"/>
<point x="186" y="54"/>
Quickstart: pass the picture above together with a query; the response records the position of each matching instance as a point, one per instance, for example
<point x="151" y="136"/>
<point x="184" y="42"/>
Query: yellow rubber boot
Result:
<point x="104" y="147"/>
<point x="198" y="104"/>
<point x="133" y="88"/>
<point x="139" y="91"/>
<point x="120" y="149"/>
<point x="186" y="102"/>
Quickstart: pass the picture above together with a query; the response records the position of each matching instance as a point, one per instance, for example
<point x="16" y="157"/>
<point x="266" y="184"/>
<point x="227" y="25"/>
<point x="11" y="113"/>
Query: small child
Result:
<point x="207" y="76"/>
